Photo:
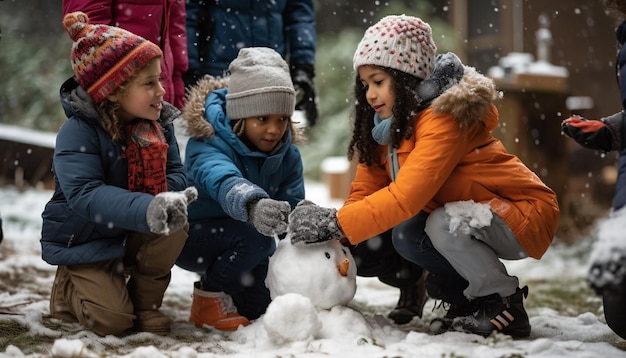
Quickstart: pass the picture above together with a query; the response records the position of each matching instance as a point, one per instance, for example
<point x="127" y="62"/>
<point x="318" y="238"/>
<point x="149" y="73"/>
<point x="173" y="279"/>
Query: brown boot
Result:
<point x="215" y="309"/>
<point x="411" y="302"/>
<point x="152" y="321"/>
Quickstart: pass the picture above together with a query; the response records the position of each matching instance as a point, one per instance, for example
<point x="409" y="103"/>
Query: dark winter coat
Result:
<point x="619" y="200"/>
<point x="218" y="161"/>
<point x="91" y="209"/>
<point x="216" y="30"/>
<point x="159" y="21"/>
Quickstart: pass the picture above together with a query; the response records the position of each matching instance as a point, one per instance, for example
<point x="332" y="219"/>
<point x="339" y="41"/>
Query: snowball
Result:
<point x="290" y="318"/>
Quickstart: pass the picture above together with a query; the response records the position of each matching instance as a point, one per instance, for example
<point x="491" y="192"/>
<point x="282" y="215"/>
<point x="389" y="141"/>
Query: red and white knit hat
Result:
<point x="103" y="57"/>
<point x="401" y="42"/>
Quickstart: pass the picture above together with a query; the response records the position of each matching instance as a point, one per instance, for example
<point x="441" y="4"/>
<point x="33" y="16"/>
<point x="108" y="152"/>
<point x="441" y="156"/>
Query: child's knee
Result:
<point x="438" y="228"/>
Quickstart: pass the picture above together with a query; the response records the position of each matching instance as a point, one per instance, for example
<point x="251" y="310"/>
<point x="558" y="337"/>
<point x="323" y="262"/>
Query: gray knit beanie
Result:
<point x="259" y="85"/>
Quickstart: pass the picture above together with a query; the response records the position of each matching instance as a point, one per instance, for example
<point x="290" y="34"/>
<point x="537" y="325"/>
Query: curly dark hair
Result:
<point x="404" y="112"/>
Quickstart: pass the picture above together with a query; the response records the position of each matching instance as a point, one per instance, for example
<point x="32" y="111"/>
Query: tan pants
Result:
<point x="99" y="297"/>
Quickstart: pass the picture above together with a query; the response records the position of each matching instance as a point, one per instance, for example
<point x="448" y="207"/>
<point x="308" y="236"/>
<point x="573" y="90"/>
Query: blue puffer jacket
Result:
<point x="226" y="173"/>
<point x="91" y="209"/>
<point x="216" y="30"/>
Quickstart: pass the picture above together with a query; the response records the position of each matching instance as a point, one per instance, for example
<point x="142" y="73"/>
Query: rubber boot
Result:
<point x="411" y="302"/>
<point x="215" y="309"/>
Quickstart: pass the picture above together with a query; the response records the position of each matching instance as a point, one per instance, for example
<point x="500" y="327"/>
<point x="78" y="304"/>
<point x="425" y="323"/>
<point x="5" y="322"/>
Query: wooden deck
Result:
<point x="26" y="157"/>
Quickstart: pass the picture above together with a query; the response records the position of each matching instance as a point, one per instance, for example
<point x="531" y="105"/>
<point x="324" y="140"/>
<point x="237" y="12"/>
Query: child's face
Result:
<point x="265" y="132"/>
<point x="144" y="95"/>
<point x="378" y="89"/>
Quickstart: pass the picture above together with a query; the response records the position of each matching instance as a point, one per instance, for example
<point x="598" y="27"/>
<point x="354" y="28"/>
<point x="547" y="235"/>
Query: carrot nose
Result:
<point x="343" y="268"/>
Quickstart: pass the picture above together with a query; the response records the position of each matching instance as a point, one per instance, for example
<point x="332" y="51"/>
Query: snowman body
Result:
<point x="325" y="273"/>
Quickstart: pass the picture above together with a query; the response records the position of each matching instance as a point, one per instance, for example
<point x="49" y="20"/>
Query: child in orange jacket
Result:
<point x="423" y="140"/>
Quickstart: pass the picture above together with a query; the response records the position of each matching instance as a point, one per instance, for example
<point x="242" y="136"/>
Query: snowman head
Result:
<point x="325" y="273"/>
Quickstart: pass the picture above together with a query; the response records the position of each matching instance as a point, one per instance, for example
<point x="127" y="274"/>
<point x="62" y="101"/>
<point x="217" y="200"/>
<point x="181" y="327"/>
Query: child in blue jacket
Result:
<point x="117" y="219"/>
<point x="243" y="159"/>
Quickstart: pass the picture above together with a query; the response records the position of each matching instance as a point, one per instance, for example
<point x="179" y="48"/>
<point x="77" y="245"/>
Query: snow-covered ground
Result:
<point x="359" y="330"/>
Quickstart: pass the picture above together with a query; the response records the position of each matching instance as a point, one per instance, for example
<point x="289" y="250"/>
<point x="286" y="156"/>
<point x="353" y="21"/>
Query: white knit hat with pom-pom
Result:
<point x="401" y="42"/>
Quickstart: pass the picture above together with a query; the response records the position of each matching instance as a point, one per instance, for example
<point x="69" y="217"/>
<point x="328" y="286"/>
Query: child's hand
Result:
<point x="167" y="212"/>
<point x="603" y="134"/>
<point x="313" y="224"/>
<point x="269" y="216"/>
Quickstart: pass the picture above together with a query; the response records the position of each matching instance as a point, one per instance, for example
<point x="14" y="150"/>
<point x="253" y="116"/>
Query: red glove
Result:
<point x="600" y="134"/>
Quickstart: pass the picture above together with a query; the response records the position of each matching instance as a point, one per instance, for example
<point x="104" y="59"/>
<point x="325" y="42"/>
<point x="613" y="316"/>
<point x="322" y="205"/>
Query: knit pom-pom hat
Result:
<point x="103" y="57"/>
<point x="260" y="84"/>
<point x="401" y="42"/>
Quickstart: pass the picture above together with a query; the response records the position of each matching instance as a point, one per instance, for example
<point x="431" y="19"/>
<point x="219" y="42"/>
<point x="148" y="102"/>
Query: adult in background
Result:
<point x="161" y="22"/>
<point x="217" y="30"/>
<point x="607" y="275"/>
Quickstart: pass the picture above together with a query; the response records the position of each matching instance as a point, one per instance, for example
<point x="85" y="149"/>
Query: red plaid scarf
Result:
<point x="146" y="152"/>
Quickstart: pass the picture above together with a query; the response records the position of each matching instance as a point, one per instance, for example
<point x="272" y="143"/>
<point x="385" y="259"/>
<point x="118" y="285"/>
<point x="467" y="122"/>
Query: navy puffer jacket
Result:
<point x="216" y="30"/>
<point x="91" y="210"/>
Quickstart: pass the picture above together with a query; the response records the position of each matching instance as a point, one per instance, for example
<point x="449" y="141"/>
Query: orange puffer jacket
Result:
<point x="452" y="156"/>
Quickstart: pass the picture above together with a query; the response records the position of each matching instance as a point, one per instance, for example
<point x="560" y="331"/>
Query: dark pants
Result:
<point x="231" y="257"/>
<point x="412" y="243"/>
<point x="614" y="301"/>
<point x="377" y="257"/>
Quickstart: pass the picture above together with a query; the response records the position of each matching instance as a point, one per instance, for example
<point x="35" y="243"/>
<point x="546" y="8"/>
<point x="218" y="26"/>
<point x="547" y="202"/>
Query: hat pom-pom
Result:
<point x="70" y="20"/>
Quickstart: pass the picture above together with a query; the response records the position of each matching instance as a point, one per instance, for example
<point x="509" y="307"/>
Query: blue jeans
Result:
<point x="231" y="257"/>
<point x="377" y="257"/>
<point x="412" y="243"/>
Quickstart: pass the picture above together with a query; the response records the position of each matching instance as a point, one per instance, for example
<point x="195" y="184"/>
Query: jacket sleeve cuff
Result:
<point x="235" y="195"/>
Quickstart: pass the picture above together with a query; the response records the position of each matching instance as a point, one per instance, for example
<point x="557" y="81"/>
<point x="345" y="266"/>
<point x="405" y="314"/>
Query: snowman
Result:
<point x="306" y="285"/>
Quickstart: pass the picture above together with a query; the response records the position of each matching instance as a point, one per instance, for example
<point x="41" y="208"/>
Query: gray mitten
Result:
<point x="448" y="71"/>
<point x="169" y="113"/>
<point x="167" y="212"/>
<point x="313" y="224"/>
<point x="608" y="273"/>
<point x="269" y="216"/>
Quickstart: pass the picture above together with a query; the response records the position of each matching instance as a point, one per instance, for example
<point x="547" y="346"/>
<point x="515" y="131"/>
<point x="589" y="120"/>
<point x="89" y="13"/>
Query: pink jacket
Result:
<point x="160" y="21"/>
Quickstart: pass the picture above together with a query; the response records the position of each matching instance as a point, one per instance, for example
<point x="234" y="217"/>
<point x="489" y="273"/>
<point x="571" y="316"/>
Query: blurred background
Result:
<point x="550" y="59"/>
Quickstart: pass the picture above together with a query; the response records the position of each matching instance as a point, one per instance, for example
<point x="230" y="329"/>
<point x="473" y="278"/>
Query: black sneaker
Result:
<point x="411" y="302"/>
<point x="443" y="324"/>
<point x="501" y="314"/>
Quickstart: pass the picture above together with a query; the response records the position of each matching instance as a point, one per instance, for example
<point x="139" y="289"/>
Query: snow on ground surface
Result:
<point x="559" y="328"/>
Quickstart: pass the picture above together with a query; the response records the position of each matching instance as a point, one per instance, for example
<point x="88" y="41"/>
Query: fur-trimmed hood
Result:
<point x="194" y="121"/>
<point x="470" y="99"/>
